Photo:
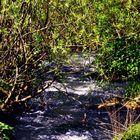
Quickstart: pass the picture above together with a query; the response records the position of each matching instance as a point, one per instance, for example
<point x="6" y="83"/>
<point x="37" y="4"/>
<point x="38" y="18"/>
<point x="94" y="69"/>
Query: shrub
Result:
<point x="4" y="128"/>
<point x="133" y="133"/>
<point x="24" y="47"/>
<point x="118" y="24"/>
<point x="133" y="89"/>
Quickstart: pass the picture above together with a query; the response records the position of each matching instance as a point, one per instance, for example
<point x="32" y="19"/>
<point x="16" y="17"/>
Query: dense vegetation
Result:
<point x="35" y="31"/>
<point x="132" y="133"/>
<point x="118" y="25"/>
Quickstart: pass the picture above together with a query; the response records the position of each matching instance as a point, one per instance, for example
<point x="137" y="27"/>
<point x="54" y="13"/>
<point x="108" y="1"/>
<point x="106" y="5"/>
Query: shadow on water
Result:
<point x="56" y="116"/>
<point x="68" y="110"/>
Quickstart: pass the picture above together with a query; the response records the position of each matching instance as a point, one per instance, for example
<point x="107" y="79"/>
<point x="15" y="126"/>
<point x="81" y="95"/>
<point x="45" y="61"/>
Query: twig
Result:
<point x="11" y="92"/>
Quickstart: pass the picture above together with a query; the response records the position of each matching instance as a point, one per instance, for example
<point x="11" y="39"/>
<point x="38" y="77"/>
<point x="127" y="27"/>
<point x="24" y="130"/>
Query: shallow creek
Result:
<point x="68" y="109"/>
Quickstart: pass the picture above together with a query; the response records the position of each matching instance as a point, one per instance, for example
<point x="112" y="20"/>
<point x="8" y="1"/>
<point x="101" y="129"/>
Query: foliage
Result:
<point x="124" y="126"/>
<point x="118" y="30"/>
<point x="133" y="89"/>
<point x="3" y="130"/>
<point x="22" y="50"/>
<point x="133" y="133"/>
<point x="33" y="31"/>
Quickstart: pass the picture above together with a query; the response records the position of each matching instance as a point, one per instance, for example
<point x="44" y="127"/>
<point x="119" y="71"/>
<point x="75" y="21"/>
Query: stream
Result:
<point x="67" y="110"/>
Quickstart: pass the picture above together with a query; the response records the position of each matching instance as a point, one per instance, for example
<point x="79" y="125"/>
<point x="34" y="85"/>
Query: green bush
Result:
<point x="133" y="89"/>
<point x="133" y="133"/>
<point x="22" y="49"/>
<point x="118" y="29"/>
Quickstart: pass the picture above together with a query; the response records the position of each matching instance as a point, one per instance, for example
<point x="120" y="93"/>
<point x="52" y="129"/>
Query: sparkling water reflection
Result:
<point x="67" y="111"/>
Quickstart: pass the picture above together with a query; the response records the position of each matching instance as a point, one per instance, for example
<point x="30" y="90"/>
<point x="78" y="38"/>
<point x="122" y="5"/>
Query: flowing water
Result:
<point x="68" y="109"/>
